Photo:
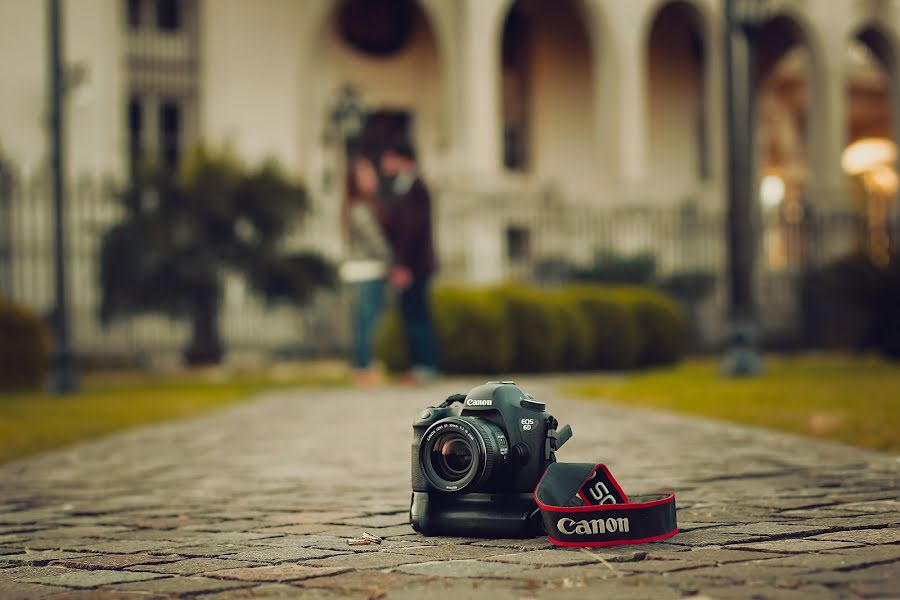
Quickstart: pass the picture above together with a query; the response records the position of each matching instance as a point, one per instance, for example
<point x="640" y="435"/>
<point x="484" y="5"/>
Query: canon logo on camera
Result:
<point x="475" y="402"/>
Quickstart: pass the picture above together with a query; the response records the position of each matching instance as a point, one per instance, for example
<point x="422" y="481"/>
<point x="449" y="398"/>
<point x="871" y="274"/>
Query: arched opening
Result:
<point x="868" y="87"/>
<point x="870" y="125"/>
<point x="385" y="52"/>
<point x="548" y="90"/>
<point x="676" y="59"/>
<point x="782" y="119"/>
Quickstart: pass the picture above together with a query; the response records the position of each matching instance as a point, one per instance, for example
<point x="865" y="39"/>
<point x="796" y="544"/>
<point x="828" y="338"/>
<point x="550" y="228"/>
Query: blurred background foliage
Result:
<point x="183" y="229"/>
<point x="24" y="347"/>
<point x="852" y="303"/>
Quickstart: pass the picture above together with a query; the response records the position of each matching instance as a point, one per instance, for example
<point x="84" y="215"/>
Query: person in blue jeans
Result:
<point x="410" y="235"/>
<point x="368" y="257"/>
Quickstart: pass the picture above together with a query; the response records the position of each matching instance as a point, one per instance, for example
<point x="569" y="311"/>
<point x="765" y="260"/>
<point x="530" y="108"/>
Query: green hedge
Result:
<point x="662" y="324"/>
<point x="473" y="334"/>
<point x="577" y="347"/>
<point x="24" y="348"/>
<point x="534" y="329"/>
<point x="853" y="303"/>
<point x="613" y="328"/>
<point x="520" y="329"/>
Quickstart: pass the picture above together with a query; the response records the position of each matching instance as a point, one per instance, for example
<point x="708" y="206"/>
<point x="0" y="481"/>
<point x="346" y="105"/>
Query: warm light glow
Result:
<point x="865" y="154"/>
<point x="883" y="180"/>
<point x="771" y="191"/>
<point x="872" y="160"/>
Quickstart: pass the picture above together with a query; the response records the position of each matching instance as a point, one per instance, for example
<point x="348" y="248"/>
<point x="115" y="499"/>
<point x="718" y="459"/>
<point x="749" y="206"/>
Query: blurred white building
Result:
<point x="529" y="115"/>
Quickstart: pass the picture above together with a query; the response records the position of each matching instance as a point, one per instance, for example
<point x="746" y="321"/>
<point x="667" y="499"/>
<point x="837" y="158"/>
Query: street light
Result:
<point x="862" y="155"/>
<point x="348" y="115"/>
<point x="743" y="19"/>
<point x="64" y="377"/>
<point x="346" y="120"/>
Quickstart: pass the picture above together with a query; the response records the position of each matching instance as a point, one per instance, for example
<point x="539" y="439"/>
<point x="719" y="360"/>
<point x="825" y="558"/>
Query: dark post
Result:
<point x="64" y="378"/>
<point x="741" y="358"/>
<point x="6" y="192"/>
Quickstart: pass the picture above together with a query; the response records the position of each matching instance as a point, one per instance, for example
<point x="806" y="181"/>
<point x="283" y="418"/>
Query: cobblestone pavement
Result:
<point x="258" y="501"/>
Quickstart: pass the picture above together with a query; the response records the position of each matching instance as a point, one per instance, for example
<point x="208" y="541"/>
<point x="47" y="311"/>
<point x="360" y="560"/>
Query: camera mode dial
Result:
<point x="531" y="404"/>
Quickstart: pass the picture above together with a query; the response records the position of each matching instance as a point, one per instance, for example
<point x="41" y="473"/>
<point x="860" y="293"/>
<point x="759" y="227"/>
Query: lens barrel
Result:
<point x="460" y="454"/>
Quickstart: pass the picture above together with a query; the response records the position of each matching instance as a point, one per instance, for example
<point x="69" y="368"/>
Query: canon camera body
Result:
<point x="476" y="460"/>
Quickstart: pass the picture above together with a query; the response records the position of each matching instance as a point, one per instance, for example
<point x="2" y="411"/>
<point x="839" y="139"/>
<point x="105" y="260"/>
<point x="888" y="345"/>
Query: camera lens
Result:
<point x="451" y="457"/>
<point x="458" y="454"/>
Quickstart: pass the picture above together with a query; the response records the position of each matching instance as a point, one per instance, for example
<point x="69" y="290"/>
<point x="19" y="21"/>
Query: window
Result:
<point x="168" y="15"/>
<point x="515" y="146"/>
<point x="376" y="27"/>
<point x="518" y="243"/>
<point x="169" y="133"/>
<point x="517" y="92"/>
<point x="135" y="127"/>
<point x="698" y="53"/>
<point x="133" y="13"/>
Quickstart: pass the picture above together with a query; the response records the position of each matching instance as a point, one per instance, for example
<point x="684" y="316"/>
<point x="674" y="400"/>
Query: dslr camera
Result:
<point x="476" y="460"/>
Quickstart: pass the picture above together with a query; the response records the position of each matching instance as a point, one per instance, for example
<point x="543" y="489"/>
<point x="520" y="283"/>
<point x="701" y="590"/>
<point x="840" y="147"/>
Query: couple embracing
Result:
<point x="387" y="227"/>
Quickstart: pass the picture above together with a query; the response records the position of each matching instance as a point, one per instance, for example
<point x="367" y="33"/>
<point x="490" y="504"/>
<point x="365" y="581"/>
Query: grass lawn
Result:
<point x="31" y="422"/>
<point x="849" y="399"/>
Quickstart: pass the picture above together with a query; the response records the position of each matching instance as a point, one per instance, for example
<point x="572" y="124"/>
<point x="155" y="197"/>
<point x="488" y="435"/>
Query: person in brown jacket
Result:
<point x="410" y="234"/>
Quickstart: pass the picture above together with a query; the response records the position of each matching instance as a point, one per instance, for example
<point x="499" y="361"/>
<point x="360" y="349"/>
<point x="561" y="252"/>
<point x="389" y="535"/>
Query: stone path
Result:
<point x="258" y="501"/>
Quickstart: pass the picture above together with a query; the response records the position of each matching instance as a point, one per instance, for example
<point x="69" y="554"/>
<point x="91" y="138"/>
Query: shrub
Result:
<point x="661" y="322"/>
<point x="612" y="268"/>
<point x="473" y="334"/>
<point x="526" y="330"/>
<point x="390" y="343"/>
<point x="576" y="344"/>
<point x="535" y="329"/>
<point x="24" y="348"/>
<point x="615" y="338"/>
<point x="855" y="305"/>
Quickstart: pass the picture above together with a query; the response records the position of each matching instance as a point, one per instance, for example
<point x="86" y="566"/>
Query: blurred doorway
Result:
<point x="676" y="62"/>
<point x="548" y="93"/>
<point x="388" y="52"/>
<point x="871" y="141"/>
<point x="383" y="126"/>
<point x="870" y="60"/>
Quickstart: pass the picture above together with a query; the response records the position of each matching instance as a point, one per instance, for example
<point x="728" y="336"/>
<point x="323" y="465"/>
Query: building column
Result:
<point x="828" y="130"/>
<point x="630" y="89"/>
<point x="480" y="141"/>
<point x="633" y="134"/>
<point x="605" y="95"/>
<point x="714" y="91"/>
<point x="471" y="245"/>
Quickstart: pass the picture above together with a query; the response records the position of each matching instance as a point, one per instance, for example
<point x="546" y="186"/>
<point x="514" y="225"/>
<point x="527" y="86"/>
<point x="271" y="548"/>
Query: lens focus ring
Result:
<point x="489" y="452"/>
<point x="459" y="454"/>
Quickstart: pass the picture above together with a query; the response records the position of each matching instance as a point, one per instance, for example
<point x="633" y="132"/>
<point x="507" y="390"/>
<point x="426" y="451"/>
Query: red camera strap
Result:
<point x="583" y="505"/>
